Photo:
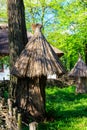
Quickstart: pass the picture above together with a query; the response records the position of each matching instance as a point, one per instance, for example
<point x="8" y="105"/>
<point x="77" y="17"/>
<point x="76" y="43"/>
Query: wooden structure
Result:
<point x="6" y="114"/>
<point x="4" y="47"/>
<point x="12" y="119"/>
<point x="79" y="74"/>
<point x="36" y="61"/>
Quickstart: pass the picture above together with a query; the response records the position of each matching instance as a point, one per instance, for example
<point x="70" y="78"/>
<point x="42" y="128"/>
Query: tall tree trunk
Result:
<point x="17" y="34"/>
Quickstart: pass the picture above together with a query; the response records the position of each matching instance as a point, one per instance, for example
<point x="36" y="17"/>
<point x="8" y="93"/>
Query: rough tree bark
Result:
<point x="31" y="97"/>
<point x="17" y="34"/>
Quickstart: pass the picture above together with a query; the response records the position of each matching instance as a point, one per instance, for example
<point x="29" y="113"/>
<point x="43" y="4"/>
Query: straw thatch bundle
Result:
<point x="38" y="58"/>
<point x="57" y="51"/>
<point x="79" y="73"/>
<point x="79" y="70"/>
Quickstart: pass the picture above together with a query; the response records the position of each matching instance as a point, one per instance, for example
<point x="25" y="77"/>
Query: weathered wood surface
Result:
<point x="8" y="114"/>
<point x="81" y="85"/>
<point x="13" y="120"/>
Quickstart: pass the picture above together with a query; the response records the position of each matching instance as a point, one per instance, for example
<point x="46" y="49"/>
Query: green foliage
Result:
<point x="5" y="60"/>
<point x="6" y="95"/>
<point x="3" y="11"/>
<point x="25" y="128"/>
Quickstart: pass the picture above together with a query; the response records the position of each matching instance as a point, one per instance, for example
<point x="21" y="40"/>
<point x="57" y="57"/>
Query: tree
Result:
<point x="64" y="25"/>
<point x="17" y="36"/>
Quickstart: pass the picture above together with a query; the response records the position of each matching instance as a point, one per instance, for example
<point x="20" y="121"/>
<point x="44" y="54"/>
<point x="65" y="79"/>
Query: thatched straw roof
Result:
<point x="57" y="51"/>
<point x="79" y="70"/>
<point x="4" y="47"/>
<point x="38" y="58"/>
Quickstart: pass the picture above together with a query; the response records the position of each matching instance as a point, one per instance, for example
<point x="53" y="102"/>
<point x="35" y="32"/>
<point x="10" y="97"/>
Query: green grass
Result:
<point x="66" y="110"/>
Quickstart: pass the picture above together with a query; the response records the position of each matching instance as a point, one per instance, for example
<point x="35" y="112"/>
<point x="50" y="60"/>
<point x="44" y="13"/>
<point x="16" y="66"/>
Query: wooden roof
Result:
<point x="4" y="47"/>
<point x="79" y="70"/>
<point x="38" y="58"/>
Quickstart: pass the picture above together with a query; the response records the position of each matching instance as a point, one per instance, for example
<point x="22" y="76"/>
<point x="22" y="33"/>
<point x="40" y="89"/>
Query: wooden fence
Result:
<point x="13" y="119"/>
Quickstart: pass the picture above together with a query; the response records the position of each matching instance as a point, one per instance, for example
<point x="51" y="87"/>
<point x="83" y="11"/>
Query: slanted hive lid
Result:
<point x="57" y="51"/>
<point x="79" y="70"/>
<point x="38" y="58"/>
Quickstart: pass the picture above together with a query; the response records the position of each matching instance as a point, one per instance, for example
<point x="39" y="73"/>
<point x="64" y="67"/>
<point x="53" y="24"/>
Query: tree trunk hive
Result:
<point x="79" y="73"/>
<point x="35" y="62"/>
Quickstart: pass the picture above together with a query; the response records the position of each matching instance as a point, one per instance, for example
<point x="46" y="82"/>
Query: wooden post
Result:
<point x="19" y="124"/>
<point x="33" y="126"/>
<point x="10" y="107"/>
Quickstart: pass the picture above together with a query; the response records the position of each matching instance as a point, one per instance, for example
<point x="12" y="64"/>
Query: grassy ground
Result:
<point x="66" y="110"/>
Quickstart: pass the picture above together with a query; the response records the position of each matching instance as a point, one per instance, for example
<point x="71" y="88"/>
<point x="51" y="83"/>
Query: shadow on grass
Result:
<point x="63" y="119"/>
<point x="61" y="115"/>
